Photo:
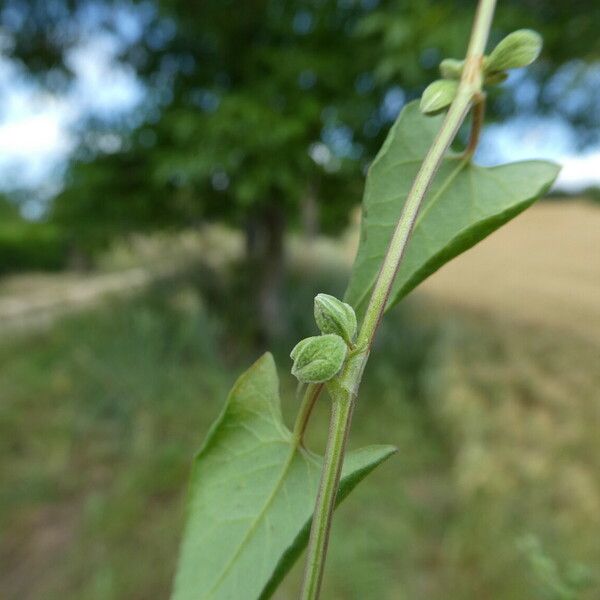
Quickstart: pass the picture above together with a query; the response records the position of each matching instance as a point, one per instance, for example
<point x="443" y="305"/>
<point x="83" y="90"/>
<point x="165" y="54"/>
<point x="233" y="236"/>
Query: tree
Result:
<point x="265" y="107"/>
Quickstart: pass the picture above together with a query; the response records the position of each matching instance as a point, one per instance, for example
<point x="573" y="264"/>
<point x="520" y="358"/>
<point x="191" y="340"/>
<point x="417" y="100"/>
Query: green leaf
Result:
<point x="252" y="496"/>
<point x="465" y="204"/>
<point x="318" y="358"/>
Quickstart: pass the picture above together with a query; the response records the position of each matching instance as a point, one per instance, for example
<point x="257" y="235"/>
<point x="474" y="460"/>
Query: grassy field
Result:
<point x="494" y="494"/>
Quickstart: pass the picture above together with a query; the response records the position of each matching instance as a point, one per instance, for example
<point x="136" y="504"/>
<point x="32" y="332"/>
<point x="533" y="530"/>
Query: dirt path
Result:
<point x="35" y="301"/>
<point x="29" y="301"/>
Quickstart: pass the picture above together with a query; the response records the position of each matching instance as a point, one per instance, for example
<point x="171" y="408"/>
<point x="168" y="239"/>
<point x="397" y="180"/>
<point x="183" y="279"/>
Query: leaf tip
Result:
<point x="265" y="361"/>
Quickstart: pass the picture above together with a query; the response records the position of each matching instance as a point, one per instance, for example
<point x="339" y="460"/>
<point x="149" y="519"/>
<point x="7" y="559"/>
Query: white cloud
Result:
<point x="37" y="128"/>
<point x="546" y="138"/>
<point x="34" y="131"/>
<point x="38" y="131"/>
<point x="102" y="86"/>
<point x="579" y="172"/>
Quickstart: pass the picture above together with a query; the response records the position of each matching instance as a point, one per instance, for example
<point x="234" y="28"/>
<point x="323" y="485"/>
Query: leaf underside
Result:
<point x="465" y="204"/>
<point x="252" y="496"/>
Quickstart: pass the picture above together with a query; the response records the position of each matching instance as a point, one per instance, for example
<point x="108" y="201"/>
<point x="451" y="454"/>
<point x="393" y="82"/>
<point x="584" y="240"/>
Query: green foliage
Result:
<point x="27" y="245"/>
<point x="465" y="204"/>
<point x="116" y="194"/>
<point x="31" y="246"/>
<point x="553" y="582"/>
<point x="592" y="194"/>
<point x="234" y="141"/>
<point x="252" y="493"/>
<point x="247" y="90"/>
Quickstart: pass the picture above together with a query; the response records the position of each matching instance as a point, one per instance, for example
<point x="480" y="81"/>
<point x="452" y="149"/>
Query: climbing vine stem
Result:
<point x="344" y="389"/>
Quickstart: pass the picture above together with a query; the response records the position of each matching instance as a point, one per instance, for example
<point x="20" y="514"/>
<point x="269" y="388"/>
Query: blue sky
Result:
<point x="38" y="131"/>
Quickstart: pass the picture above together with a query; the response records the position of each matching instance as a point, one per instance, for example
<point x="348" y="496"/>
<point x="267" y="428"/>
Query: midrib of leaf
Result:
<point x="451" y="177"/>
<point x="258" y="518"/>
<point x="445" y="183"/>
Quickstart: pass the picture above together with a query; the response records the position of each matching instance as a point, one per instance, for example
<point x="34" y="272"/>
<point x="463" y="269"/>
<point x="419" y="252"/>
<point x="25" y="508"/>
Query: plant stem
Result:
<point x="477" y="116"/>
<point x="339" y="427"/>
<point x="470" y="84"/>
<point x="344" y="390"/>
<point x="309" y="399"/>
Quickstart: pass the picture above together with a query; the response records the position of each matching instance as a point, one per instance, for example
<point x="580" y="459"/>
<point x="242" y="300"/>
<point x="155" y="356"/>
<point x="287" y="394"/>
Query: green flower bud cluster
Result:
<point x="516" y="50"/>
<point x="320" y="358"/>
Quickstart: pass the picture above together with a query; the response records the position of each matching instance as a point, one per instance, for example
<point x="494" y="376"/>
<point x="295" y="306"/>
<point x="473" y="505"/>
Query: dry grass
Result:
<point x="543" y="268"/>
<point x="519" y="405"/>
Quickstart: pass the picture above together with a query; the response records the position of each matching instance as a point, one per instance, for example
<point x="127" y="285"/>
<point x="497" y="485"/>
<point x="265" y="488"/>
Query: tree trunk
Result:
<point x="265" y="255"/>
<point x="252" y="239"/>
<point x="309" y="210"/>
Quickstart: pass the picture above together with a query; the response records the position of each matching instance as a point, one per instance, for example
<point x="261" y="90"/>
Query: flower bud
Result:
<point x="518" y="49"/>
<point x="451" y="68"/>
<point x="319" y="358"/>
<point x="334" y="316"/>
<point x="438" y="95"/>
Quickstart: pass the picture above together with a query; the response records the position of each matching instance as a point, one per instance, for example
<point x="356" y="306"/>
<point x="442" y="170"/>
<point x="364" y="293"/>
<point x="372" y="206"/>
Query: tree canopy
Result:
<point x="267" y="101"/>
<point x="264" y="113"/>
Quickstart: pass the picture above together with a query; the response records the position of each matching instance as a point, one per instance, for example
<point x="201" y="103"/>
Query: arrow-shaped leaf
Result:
<point x="465" y="204"/>
<point x="252" y="496"/>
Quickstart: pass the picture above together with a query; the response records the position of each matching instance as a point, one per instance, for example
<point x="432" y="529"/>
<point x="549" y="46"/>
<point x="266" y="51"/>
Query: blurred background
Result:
<point x="177" y="181"/>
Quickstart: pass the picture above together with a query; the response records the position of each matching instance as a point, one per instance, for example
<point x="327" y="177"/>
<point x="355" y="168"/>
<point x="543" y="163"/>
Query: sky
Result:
<point x="38" y="131"/>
